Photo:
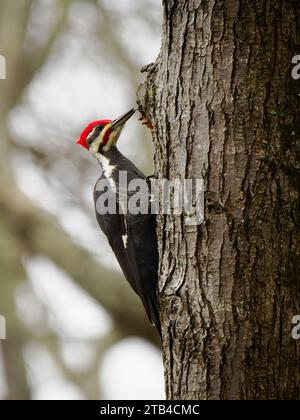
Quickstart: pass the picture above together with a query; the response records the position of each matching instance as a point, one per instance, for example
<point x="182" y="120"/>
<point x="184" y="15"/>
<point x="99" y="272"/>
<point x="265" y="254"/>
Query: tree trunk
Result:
<point x="225" y="108"/>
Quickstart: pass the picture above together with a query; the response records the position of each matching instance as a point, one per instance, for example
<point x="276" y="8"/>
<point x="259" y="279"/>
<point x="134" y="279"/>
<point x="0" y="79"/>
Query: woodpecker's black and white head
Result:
<point x="99" y="137"/>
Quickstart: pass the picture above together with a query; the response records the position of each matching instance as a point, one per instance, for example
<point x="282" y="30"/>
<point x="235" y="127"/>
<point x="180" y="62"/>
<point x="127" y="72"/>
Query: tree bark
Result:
<point x="225" y="108"/>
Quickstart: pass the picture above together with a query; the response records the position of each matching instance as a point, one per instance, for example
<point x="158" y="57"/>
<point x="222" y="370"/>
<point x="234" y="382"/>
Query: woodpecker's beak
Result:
<point x="119" y="122"/>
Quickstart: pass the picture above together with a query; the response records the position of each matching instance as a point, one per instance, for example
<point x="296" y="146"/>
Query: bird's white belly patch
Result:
<point x="125" y="239"/>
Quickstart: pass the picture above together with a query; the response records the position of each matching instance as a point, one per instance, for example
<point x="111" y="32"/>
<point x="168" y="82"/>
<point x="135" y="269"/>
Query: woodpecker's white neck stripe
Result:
<point x="107" y="168"/>
<point x="125" y="239"/>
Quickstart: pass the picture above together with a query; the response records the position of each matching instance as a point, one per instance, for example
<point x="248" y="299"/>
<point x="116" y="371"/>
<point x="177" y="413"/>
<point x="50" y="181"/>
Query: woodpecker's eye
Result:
<point x="94" y="134"/>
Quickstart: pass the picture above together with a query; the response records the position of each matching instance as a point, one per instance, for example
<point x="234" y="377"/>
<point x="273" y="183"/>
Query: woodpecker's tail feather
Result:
<point x="152" y="309"/>
<point x="157" y="324"/>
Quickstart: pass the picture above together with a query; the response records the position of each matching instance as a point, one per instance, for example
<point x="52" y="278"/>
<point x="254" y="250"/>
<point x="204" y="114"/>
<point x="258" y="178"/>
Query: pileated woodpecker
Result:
<point x="131" y="236"/>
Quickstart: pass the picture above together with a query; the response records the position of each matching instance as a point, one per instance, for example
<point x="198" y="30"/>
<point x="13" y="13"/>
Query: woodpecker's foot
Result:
<point x="147" y="122"/>
<point x="150" y="176"/>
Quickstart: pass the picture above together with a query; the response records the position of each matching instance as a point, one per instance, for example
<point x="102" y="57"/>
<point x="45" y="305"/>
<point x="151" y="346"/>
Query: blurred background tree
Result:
<point x="74" y="327"/>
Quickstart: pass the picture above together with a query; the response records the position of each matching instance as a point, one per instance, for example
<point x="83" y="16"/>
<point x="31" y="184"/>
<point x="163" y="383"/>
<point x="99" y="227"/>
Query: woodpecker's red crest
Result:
<point x="88" y="129"/>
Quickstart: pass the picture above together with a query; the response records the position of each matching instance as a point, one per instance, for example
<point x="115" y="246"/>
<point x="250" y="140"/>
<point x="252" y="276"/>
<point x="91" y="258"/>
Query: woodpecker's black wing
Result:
<point x="133" y="240"/>
<point x="142" y="255"/>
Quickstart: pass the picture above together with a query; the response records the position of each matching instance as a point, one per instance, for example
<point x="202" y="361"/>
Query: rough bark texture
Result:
<point x="225" y="108"/>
